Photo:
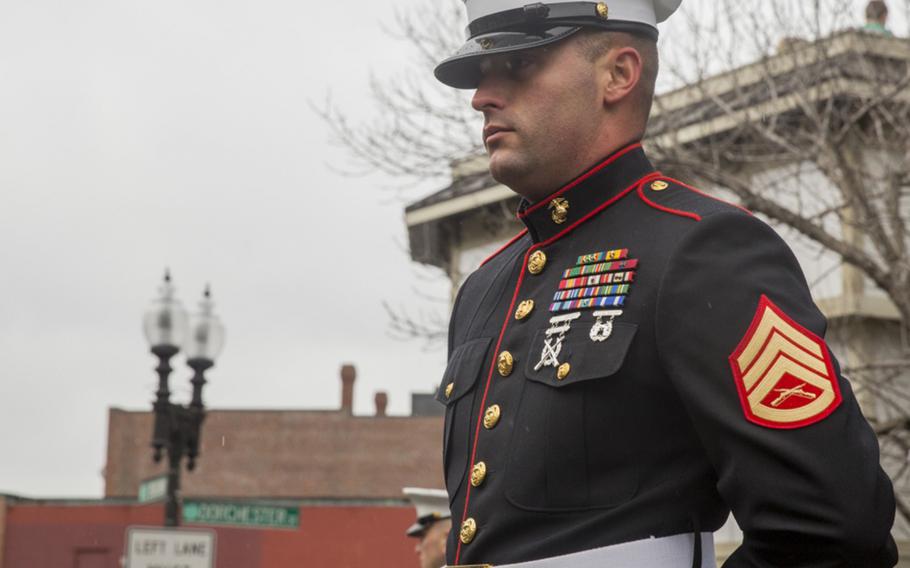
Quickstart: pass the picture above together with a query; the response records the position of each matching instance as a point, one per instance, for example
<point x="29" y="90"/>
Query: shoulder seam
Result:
<point x="703" y="194"/>
<point x="643" y="197"/>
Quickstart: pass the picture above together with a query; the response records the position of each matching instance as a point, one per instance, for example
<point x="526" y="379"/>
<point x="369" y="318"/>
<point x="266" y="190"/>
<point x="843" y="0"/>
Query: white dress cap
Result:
<point x="504" y="26"/>
<point x="649" y="12"/>
<point x="431" y="505"/>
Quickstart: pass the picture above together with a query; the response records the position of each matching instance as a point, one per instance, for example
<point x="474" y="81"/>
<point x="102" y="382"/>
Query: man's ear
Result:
<point x="620" y="72"/>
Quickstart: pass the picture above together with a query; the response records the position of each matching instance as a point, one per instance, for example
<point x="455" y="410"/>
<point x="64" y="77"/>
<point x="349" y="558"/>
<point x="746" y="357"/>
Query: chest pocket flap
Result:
<point x="587" y="359"/>
<point x="463" y="369"/>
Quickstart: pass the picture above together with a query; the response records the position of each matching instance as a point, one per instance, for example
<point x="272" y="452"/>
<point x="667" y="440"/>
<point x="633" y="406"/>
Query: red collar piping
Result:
<point x="615" y="156"/>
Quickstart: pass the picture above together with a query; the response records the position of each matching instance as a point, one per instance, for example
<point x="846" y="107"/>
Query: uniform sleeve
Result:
<point x="796" y="461"/>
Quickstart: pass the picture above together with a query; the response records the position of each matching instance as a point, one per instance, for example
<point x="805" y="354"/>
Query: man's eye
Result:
<point x="517" y="63"/>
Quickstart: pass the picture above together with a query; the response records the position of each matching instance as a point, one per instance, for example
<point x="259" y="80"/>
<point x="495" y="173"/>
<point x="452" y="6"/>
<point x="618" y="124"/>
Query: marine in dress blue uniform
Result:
<point x="639" y="362"/>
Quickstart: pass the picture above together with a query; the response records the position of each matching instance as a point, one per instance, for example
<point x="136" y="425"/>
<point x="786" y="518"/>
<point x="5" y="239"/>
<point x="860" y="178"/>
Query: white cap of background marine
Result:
<point x="501" y="26"/>
<point x="431" y="504"/>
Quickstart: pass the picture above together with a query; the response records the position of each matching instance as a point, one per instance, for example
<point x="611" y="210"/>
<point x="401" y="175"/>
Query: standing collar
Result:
<point x="574" y="201"/>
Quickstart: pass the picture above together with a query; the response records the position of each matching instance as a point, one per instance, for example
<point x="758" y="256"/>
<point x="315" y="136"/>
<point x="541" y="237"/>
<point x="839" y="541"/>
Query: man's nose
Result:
<point x="489" y="94"/>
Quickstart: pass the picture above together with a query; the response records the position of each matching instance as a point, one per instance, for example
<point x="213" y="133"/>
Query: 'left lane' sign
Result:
<point x="148" y="547"/>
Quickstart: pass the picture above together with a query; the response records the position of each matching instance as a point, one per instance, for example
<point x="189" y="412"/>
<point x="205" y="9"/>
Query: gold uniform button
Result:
<point x="491" y="417"/>
<point x="524" y="309"/>
<point x="478" y="474"/>
<point x="563" y="371"/>
<point x="449" y="388"/>
<point x="659" y="185"/>
<point x="559" y="210"/>
<point x="505" y="363"/>
<point x="603" y="10"/>
<point x="468" y="531"/>
<point x="537" y="261"/>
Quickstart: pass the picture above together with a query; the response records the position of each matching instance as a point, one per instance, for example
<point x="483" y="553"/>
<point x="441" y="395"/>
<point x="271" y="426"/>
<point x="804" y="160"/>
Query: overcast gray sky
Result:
<point x="139" y="135"/>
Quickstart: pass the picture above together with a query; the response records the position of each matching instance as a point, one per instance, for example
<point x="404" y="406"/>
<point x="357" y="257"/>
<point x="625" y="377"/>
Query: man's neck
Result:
<point x="534" y="195"/>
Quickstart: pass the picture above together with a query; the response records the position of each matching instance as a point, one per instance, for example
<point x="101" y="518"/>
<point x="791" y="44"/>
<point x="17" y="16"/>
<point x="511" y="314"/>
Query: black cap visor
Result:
<point x="417" y="530"/>
<point x="462" y="70"/>
<point x="424" y="523"/>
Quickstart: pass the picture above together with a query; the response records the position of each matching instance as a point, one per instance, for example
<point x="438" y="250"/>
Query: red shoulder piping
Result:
<point x="679" y="212"/>
<point x="689" y="214"/>
<point x="702" y="193"/>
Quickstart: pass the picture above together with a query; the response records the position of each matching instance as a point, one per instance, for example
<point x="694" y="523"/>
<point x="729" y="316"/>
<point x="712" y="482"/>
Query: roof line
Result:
<point x="847" y="41"/>
<point x="460" y="204"/>
<point x="728" y="121"/>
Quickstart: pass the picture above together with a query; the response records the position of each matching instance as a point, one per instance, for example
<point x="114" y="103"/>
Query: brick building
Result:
<point x="339" y="475"/>
<point x="90" y="534"/>
<point x="288" y="453"/>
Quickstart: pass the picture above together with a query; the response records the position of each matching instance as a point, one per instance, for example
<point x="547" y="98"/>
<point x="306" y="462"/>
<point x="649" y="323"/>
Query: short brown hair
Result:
<point x="876" y="10"/>
<point x="594" y="44"/>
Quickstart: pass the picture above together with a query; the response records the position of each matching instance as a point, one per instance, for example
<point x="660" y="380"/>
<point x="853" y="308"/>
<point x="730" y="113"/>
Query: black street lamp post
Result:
<point x="177" y="427"/>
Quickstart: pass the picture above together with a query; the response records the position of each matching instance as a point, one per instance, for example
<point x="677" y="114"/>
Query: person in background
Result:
<point x="877" y="18"/>
<point x="432" y="525"/>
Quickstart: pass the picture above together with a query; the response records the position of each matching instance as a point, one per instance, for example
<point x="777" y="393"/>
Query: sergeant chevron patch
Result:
<point x="783" y="371"/>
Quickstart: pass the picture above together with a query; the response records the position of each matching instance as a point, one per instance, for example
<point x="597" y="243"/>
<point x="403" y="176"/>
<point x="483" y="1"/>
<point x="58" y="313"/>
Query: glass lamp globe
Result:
<point x="165" y="322"/>
<point x="206" y="337"/>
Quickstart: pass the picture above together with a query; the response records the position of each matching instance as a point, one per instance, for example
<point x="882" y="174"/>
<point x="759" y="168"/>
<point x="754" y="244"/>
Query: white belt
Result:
<point x="666" y="552"/>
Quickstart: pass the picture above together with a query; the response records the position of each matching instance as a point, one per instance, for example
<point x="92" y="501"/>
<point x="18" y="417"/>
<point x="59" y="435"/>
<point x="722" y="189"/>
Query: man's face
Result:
<point x="431" y="549"/>
<point x="542" y="113"/>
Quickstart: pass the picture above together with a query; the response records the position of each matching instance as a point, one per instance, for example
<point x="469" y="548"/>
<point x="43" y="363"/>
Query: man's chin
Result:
<point x="506" y="168"/>
<point x="520" y="174"/>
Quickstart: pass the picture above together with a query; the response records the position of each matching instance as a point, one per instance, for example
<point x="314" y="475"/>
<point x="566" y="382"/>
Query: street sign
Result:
<point x="242" y="514"/>
<point x="153" y="489"/>
<point x="169" y="548"/>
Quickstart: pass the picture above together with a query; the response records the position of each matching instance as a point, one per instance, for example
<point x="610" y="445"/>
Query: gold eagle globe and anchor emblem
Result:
<point x="559" y="210"/>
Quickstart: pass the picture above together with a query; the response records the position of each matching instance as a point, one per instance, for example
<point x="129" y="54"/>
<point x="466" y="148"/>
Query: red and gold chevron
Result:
<point x="783" y="371"/>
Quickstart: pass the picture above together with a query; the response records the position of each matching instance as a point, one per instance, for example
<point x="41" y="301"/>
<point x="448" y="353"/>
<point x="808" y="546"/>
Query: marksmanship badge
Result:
<point x="783" y="371"/>
<point x="602" y="330"/>
<point x="559" y="327"/>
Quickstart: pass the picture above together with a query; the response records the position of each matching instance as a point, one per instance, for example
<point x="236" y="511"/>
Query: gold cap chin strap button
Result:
<point x="468" y="531"/>
<point x="563" y="371"/>
<point x="659" y="185"/>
